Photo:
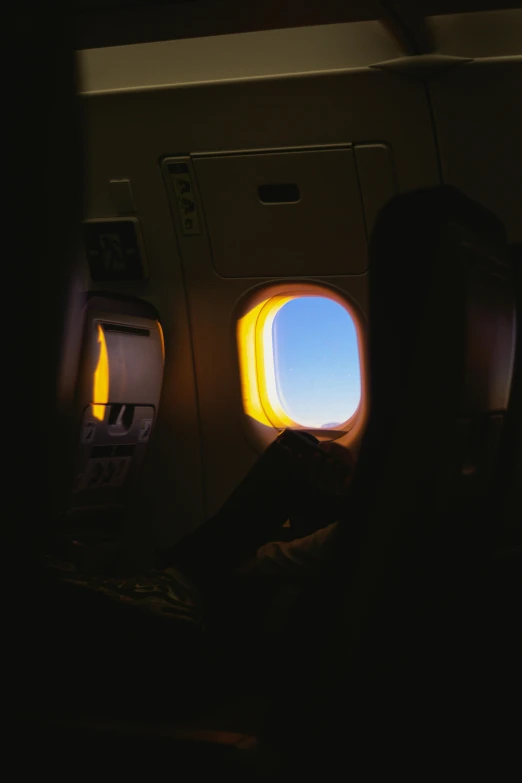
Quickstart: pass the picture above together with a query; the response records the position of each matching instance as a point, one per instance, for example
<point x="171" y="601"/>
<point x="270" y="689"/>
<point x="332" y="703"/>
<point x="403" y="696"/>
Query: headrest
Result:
<point x="442" y="333"/>
<point x="419" y="236"/>
<point x="442" y="344"/>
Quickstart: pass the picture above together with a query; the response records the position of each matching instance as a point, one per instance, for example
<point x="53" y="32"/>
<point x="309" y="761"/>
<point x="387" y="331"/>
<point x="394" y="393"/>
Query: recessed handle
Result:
<point x="283" y="193"/>
<point x="120" y="419"/>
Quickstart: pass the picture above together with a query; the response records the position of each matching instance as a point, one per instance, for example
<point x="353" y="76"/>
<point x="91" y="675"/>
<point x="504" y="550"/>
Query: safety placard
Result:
<point x="114" y="249"/>
<point x="181" y="180"/>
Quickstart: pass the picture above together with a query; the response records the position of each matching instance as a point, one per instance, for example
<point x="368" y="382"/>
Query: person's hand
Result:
<point x="335" y="474"/>
<point x="323" y="493"/>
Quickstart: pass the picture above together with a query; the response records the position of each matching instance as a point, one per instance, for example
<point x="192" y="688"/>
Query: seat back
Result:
<point x="412" y="550"/>
<point x="442" y="335"/>
<point x="118" y="384"/>
<point x="46" y="144"/>
<point x="508" y="473"/>
<point x="442" y="344"/>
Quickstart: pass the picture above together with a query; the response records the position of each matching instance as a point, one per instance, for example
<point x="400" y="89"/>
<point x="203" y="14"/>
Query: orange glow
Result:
<point x="256" y="362"/>
<point x="162" y="340"/>
<point x="265" y="363"/>
<point x="100" y="390"/>
<point x="246" y="344"/>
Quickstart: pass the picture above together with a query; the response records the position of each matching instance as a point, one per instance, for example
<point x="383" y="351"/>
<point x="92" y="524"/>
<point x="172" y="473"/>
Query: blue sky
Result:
<point x="316" y="361"/>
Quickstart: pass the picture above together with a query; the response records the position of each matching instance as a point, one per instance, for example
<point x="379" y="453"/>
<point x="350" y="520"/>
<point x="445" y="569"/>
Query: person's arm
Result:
<point x="302" y="557"/>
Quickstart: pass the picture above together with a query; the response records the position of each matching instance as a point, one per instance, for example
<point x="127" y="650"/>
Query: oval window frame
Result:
<point x="262" y="419"/>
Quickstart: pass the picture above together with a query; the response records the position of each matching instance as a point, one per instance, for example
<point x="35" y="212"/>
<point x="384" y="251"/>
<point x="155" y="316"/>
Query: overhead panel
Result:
<point x="283" y="213"/>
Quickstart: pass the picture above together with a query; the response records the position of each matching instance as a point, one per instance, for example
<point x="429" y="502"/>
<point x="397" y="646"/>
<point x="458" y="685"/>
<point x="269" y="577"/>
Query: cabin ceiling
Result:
<point x="100" y="23"/>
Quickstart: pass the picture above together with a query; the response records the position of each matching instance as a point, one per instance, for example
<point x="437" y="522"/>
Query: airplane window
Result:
<point x="316" y="362"/>
<point x="299" y="361"/>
